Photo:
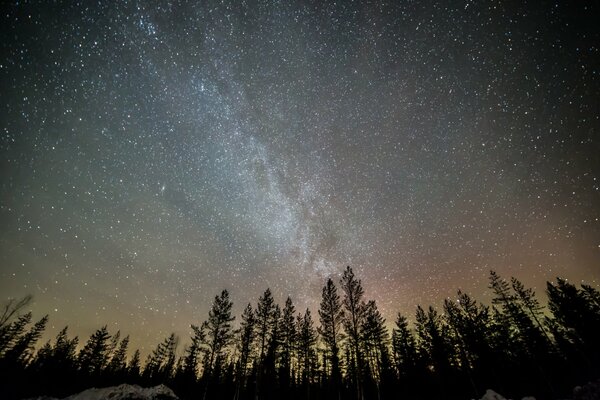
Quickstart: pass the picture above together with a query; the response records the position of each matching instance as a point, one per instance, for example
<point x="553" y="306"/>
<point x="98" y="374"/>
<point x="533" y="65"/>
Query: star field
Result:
<point x="154" y="153"/>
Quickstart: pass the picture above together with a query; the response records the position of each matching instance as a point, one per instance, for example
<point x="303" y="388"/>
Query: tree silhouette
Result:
<point x="94" y="355"/>
<point x="219" y="334"/>
<point x="353" y="320"/>
<point x="189" y="369"/>
<point x="117" y="366"/>
<point x="161" y="362"/>
<point x="134" y="367"/>
<point x="265" y="316"/>
<point x="514" y="345"/>
<point x="288" y="339"/>
<point x="245" y="341"/>
<point x="331" y="316"/>
<point x="375" y="341"/>
<point x="10" y="333"/>
<point x="307" y="339"/>
<point x="404" y="351"/>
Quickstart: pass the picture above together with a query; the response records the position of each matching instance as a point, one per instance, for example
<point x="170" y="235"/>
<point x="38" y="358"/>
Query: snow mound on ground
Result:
<point x="122" y="392"/>
<point x="491" y="395"/>
<point x="126" y="392"/>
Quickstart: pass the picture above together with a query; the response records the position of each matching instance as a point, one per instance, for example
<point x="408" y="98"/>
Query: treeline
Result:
<point x="514" y="346"/>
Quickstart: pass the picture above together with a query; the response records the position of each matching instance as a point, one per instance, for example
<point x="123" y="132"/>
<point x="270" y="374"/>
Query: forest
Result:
<point x="515" y="345"/>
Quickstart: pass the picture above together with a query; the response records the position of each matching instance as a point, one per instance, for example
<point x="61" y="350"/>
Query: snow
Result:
<point x="122" y="392"/>
<point x="491" y="395"/>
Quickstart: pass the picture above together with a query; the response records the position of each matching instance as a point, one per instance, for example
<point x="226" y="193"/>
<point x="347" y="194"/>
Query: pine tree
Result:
<point x="265" y="321"/>
<point x="404" y="348"/>
<point x="353" y="320"/>
<point x="244" y="344"/>
<point x="265" y="318"/>
<point x="189" y="367"/>
<point x="22" y="350"/>
<point x="161" y="362"/>
<point x="218" y="328"/>
<point x="134" y="367"/>
<point x="168" y="367"/>
<point x="112" y="345"/>
<point x="288" y="335"/>
<point x="93" y="357"/>
<point x="434" y="346"/>
<point x="269" y="364"/>
<point x="535" y="312"/>
<point x="246" y="337"/>
<point x="118" y="362"/>
<point x="64" y="348"/>
<point x="375" y="340"/>
<point x="10" y="332"/>
<point x="331" y="316"/>
<point x="576" y="318"/>
<point x="307" y="339"/>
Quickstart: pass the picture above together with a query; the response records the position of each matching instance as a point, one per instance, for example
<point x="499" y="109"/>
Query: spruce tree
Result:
<point x="134" y="367"/>
<point x="307" y="339"/>
<point x="331" y="316"/>
<point x="189" y="367"/>
<point x="118" y="362"/>
<point x="245" y="342"/>
<point x="288" y="334"/>
<point x="10" y="332"/>
<point x="218" y="329"/>
<point x="93" y="357"/>
<point x="354" y="307"/>
<point x="403" y="348"/>
<point x="265" y="318"/>
<point x="23" y="348"/>
<point x="161" y="362"/>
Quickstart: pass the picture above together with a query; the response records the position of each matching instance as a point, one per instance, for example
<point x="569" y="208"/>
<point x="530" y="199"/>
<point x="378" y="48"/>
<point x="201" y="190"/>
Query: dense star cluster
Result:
<point x="154" y="153"/>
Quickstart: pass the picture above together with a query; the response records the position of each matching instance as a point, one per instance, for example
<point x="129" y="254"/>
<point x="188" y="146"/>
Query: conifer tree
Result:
<point x="168" y="368"/>
<point x="246" y="337"/>
<point x="244" y="345"/>
<point x="534" y="312"/>
<point x="64" y="349"/>
<point x="576" y="318"/>
<point x="160" y="363"/>
<point x="403" y="347"/>
<point x="375" y="340"/>
<point x="265" y="318"/>
<point x="288" y="335"/>
<point x="118" y="362"/>
<point x="10" y="332"/>
<point x="307" y="339"/>
<point x="134" y="367"/>
<point x="434" y="346"/>
<point x="189" y="367"/>
<point x="219" y="333"/>
<point x="93" y="357"/>
<point x="22" y="350"/>
<point x="354" y="307"/>
<point x="331" y="316"/>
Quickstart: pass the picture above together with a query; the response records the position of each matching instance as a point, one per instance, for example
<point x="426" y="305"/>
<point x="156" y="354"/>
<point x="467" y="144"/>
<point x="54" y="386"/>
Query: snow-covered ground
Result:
<point x="491" y="395"/>
<point x="122" y="392"/>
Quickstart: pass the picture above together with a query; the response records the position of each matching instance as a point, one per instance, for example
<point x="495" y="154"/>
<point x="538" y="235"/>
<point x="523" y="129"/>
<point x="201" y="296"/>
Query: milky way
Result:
<point x="154" y="153"/>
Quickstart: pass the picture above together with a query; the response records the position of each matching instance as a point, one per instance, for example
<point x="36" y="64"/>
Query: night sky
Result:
<point x="155" y="153"/>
